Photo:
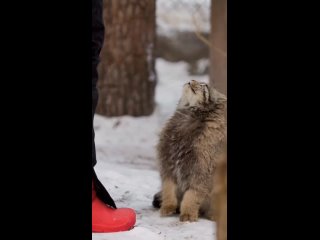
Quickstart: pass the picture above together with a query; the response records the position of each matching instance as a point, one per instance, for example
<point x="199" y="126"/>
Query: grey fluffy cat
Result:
<point x="189" y="146"/>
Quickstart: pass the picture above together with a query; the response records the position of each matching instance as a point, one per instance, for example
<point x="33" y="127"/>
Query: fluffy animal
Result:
<point x="189" y="148"/>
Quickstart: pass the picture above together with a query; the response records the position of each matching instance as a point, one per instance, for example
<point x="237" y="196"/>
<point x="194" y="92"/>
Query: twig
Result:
<point x="204" y="39"/>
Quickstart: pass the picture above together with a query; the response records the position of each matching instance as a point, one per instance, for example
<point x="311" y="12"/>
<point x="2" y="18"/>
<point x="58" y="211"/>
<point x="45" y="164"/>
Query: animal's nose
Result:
<point x="193" y="82"/>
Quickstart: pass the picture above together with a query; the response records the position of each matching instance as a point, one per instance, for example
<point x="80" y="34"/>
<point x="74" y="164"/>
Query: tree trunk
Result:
<point x="220" y="196"/>
<point x="218" y="52"/>
<point x="218" y="78"/>
<point x="127" y="76"/>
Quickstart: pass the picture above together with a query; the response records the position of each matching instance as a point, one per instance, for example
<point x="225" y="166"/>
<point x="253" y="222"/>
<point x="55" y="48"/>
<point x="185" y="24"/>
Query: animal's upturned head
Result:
<point x="198" y="95"/>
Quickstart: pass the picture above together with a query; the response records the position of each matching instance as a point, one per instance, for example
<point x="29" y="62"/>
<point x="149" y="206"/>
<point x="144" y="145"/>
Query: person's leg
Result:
<point x="105" y="215"/>
<point x="97" y="41"/>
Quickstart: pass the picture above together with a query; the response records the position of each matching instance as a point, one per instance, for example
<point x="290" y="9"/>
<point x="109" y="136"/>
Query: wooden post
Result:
<point x="218" y="52"/>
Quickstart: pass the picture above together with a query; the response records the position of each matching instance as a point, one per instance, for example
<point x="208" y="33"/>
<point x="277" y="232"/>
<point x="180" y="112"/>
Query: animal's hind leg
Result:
<point x="169" y="198"/>
<point x="207" y="208"/>
<point x="190" y="205"/>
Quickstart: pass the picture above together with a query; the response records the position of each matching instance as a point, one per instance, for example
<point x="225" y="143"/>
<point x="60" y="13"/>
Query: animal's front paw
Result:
<point x="188" y="217"/>
<point x="167" y="210"/>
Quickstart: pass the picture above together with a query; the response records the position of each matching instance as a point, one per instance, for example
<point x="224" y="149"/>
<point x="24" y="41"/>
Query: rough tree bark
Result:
<point x="218" y="51"/>
<point x="127" y="76"/>
<point x="218" y="78"/>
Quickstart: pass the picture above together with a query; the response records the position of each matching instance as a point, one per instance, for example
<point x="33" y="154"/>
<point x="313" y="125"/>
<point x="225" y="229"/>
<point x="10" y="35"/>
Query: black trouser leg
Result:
<point x="97" y="41"/>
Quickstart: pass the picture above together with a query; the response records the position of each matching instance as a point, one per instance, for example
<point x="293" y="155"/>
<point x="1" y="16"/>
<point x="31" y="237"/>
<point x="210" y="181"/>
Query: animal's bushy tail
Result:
<point x="157" y="200"/>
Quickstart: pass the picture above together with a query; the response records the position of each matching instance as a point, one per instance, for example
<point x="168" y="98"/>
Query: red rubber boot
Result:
<point x="106" y="219"/>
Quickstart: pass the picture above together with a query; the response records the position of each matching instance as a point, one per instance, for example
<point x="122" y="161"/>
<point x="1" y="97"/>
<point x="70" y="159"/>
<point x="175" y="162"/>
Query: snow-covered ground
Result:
<point x="127" y="163"/>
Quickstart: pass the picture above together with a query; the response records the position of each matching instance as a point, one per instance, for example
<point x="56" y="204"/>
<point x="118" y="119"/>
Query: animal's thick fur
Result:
<point x="188" y="150"/>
